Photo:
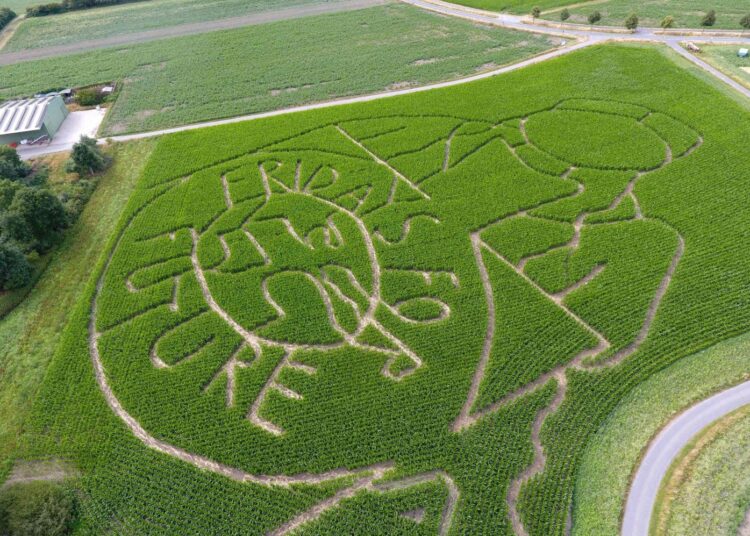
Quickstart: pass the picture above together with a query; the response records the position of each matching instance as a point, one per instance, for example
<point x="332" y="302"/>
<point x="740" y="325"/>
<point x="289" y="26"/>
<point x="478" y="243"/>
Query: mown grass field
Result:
<point x="687" y="13"/>
<point x="19" y="6"/>
<point x="31" y="333"/>
<point x="223" y="74"/>
<point x="707" y="490"/>
<point x="104" y="22"/>
<point x="725" y="59"/>
<point x="412" y="277"/>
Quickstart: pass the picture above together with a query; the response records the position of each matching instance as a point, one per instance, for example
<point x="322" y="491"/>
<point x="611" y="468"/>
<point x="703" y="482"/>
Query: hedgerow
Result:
<point x="282" y="299"/>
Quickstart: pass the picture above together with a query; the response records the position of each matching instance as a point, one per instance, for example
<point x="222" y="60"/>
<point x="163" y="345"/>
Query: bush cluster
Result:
<point x="89" y="97"/>
<point x="54" y="8"/>
<point x="35" y="509"/>
<point x="32" y="217"/>
<point x="6" y="15"/>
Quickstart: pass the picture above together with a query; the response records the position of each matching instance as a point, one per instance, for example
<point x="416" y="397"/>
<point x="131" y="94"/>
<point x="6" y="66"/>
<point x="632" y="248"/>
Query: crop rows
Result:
<point x="393" y="311"/>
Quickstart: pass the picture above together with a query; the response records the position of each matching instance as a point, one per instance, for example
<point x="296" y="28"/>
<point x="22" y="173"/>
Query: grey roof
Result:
<point x="23" y="115"/>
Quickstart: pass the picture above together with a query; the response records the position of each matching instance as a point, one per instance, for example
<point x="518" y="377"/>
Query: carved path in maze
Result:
<point x="378" y="477"/>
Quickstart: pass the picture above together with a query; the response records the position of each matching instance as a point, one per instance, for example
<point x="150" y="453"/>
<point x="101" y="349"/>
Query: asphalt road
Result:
<point x="294" y="12"/>
<point x="666" y="446"/>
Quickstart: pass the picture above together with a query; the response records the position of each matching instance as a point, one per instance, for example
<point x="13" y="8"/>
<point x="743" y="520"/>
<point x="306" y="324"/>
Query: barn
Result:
<point x="31" y="119"/>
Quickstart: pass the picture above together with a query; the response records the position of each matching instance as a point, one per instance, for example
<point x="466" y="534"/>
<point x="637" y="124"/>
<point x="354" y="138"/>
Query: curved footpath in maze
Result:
<point x="665" y="448"/>
<point x="233" y="249"/>
<point x="412" y="314"/>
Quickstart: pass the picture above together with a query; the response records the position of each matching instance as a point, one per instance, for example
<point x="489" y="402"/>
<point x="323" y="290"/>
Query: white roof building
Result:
<point x="30" y="119"/>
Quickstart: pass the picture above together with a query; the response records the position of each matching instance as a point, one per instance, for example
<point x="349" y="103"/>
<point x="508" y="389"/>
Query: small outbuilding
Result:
<point x="743" y="53"/>
<point x="31" y="119"/>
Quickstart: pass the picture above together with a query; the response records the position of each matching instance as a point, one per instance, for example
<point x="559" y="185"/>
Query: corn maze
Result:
<point x="347" y="309"/>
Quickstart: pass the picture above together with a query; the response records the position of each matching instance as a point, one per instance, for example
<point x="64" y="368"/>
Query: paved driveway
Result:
<point x="77" y="124"/>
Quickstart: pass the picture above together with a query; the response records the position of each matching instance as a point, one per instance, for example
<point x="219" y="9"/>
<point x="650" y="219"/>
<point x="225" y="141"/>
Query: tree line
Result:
<point x="631" y="22"/>
<point x="33" y="218"/>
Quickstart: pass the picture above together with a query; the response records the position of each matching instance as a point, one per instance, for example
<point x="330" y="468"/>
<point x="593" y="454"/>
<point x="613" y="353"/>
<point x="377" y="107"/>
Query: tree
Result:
<point x="6" y="15"/>
<point x="709" y="19"/>
<point x="564" y="15"/>
<point x="15" y="271"/>
<point x="595" y="17"/>
<point x="44" y="215"/>
<point x="87" y="158"/>
<point x="631" y="23"/>
<point x="8" y="190"/>
<point x="14" y="229"/>
<point x="11" y="165"/>
<point x="745" y="22"/>
<point x="667" y="22"/>
<point x="535" y="13"/>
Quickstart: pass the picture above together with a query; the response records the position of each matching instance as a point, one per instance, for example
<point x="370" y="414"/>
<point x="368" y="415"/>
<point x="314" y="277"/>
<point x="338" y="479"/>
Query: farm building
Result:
<point x="743" y="53"/>
<point x="31" y="119"/>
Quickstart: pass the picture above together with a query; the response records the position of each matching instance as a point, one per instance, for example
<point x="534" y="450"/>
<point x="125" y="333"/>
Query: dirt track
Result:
<point x="188" y="29"/>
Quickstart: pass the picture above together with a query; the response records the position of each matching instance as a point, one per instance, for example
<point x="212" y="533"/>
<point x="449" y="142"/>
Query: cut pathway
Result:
<point x="294" y="12"/>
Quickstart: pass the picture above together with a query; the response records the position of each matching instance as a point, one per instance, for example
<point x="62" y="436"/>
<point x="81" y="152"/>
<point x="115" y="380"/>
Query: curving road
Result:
<point x="666" y="446"/>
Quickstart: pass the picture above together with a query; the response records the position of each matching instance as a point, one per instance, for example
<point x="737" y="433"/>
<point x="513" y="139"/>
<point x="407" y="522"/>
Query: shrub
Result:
<point x="745" y="22"/>
<point x="631" y="23"/>
<point x="69" y="5"/>
<point x="44" y="9"/>
<point x="36" y="509"/>
<point x="8" y="191"/>
<point x="709" y="19"/>
<point x="87" y="158"/>
<point x="39" y="215"/>
<point x="75" y="195"/>
<point x="15" y="229"/>
<point x="667" y="22"/>
<point x="15" y="272"/>
<point x="564" y="15"/>
<point x="89" y="97"/>
<point x="6" y="15"/>
<point x="595" y="17"/>
<point x="11" y="165"/>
